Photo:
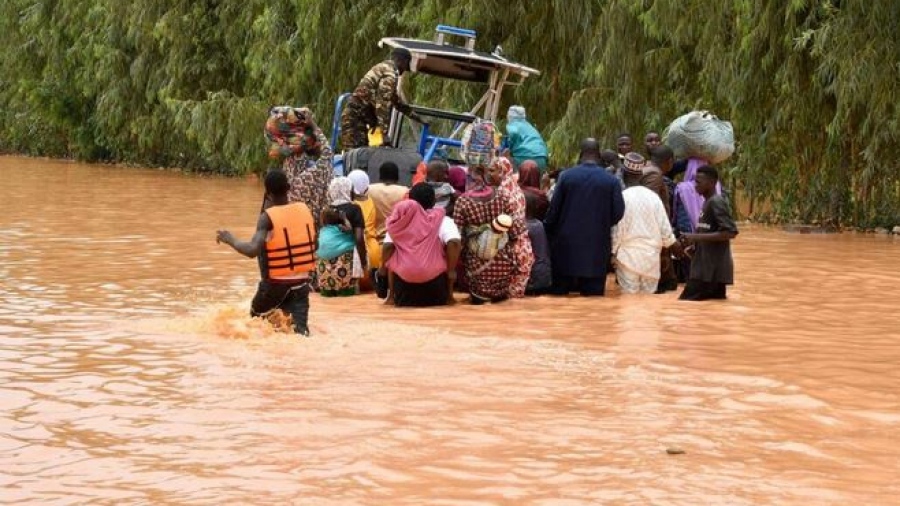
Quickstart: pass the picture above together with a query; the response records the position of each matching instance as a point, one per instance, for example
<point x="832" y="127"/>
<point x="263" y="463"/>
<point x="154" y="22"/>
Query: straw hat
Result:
<point x="502" y="223"/>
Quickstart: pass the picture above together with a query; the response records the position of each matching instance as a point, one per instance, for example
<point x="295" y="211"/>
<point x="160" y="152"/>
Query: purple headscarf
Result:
<point x="457" y="176"/>
<point x="686" y="194"/>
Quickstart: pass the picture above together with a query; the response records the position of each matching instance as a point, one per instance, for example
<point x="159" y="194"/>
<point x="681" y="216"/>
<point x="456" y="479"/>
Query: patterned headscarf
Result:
<point x="508" y="182"/>
<point x="340" y="191"/>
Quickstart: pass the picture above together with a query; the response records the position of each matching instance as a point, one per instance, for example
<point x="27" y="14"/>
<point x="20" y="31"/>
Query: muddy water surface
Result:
<point x="130" y="375"/>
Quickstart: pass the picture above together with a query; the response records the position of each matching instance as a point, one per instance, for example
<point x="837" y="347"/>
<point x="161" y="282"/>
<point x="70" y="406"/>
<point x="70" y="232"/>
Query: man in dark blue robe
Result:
<point x="586" y="203"/>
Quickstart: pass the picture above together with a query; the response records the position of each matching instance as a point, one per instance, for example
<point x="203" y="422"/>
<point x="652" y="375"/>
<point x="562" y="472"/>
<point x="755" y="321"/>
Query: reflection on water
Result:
<point x="129" y="373"/>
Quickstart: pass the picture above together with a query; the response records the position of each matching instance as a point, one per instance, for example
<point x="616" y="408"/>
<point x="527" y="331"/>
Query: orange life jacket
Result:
<point x="290" y="247"/>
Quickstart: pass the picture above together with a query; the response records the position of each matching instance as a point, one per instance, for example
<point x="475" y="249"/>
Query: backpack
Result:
<point x="478" y="143"/>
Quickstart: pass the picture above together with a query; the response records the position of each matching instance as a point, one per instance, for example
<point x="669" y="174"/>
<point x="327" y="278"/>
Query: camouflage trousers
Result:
<point x="356" y="119"/>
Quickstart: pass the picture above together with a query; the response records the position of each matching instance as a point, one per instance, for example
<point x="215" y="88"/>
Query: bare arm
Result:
<point x="387" y="251"/>
<point x="360" y="235"/>
<point x="453" y="249"/>
<point x="254" y="246"/>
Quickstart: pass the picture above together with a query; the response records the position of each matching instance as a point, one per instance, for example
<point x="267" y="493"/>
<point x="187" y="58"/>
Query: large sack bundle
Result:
<point x="370" y="159"/>
<point x="289" y="132"/>
<point x="479" y="143"/>
<point x="700" y="134"/>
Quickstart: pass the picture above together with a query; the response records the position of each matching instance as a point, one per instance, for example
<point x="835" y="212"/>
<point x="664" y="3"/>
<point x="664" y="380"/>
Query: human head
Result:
<point x="277" y="185"/>
<point x="340" y="191"/>
<point x="389" y="172"/>
<point x="504" y="166"/>
<point x="651" y="140"/>
<point x="624" y="143"/>
<point x="490" y="175"/>
<point x="423" y="193"/>
<point x="437" y="171"/>
<point x="705" y="183"/>
<point x="402" y="57"/>
<point x="634" y="169"/>
<point x="516" y="113"/>
<point x="360" y="180"/>
<point x="457" y="178"/>
<point x="590" y="150"/>
<point x="608" y="158"/>
<point x="663" y="157"/>
<point x="529" y="174"/>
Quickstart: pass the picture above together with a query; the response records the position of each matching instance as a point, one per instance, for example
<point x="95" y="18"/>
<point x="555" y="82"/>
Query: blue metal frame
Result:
<point x="428" y="144"/>
<point x="336" y="120"/>
<point x="452" y="30"/>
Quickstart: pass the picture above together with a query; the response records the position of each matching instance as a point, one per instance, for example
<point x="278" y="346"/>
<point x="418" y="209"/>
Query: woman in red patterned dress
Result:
<point x="488" y="279"/>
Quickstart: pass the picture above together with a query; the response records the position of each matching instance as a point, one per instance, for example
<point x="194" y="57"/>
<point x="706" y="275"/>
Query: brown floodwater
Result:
<point x="130" y="374"/>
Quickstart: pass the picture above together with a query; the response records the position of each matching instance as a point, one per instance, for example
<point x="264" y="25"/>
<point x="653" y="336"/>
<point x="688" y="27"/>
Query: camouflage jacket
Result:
<point x="378" y="88"/>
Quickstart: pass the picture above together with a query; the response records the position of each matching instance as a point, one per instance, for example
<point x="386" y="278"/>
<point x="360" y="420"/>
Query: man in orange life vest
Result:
<point x="284" y="243"/>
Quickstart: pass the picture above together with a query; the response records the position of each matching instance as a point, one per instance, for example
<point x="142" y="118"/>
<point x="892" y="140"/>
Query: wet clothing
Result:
<point x="339" y="276"/>
<point x="370" y="218"/>
<point x="310" y="175"/>
<point x="524" y="256"/>
<point x="712" y="266"/>
<point x="419" y="261"/>
<point x="541" y="273"/>
<point x="491" y="278"/>
<point x="655" y="180"/>
<point x="290" y="298"/>
<point x="418" y="249"/>
<point x="586" y="204"/>
<point x="288" y="253"/>
<point x="336" y="277"/>
<point x="686" y="207"/>
<point x="695" y="289"/>
<point x="370" y="105"/>
<point x="430" y="293"/>
<point x="385" y="197"/>
<point x="334" y="242"/>
<point x="638" y="238"/>
<point x="285" y="264"/>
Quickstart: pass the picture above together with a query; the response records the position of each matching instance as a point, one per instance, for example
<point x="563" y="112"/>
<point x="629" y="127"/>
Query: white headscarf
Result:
<point x="360" y="181"/>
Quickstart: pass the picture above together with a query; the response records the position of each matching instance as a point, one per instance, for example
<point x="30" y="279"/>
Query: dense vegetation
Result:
<point x="811" y="85"/>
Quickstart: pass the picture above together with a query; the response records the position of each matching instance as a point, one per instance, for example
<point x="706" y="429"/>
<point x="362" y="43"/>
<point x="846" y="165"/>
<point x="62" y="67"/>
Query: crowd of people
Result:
<point x="506" y="227"/>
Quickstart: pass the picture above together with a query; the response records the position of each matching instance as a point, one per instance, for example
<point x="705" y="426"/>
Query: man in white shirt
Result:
<point x="641" y="234"/>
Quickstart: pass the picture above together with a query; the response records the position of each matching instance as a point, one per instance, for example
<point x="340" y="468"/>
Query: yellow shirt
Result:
<point x="373" y="247"/>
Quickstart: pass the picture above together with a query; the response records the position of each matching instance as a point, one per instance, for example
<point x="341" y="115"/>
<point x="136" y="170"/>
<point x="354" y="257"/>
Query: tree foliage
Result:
<point x="810" y="85"/>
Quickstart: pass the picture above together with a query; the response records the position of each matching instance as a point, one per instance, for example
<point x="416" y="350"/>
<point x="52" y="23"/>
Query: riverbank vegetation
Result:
<point x="810" y="85"/>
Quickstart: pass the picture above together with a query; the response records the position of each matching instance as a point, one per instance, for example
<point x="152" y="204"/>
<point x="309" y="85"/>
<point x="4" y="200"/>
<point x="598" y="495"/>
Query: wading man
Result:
<point x="585" y="206"/>
<point x="712" y="267"/>
<point x="284" y="243"/>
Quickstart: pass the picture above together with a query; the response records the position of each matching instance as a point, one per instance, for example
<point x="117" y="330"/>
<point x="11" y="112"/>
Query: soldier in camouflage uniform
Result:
<point x="370" y="105"/>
